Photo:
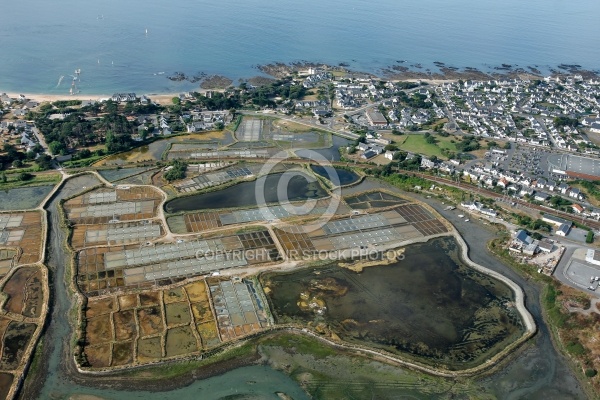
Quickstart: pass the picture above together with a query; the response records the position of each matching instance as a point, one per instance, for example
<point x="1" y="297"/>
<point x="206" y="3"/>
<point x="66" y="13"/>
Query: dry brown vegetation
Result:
<point x="158" y="323"/>
<point x="23" y="301"/>
<point x="578" y="331"/>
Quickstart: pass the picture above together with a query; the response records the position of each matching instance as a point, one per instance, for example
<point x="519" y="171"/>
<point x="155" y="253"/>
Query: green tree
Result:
<point x="44" y="162"/>
<point x="38" y="148"/>
<point x="590" y="372"/>
<point x="45" y="108"/>
<point x="25" y="176"/>
<point x="56" y="147"/>
<point x="565" y="121"/>
<point x="84" y="153"/>
<point x="590" y="237"/>
<point x="176" y="172"/>
<point x="111" y="107"/>
<point x="129" y="108"/>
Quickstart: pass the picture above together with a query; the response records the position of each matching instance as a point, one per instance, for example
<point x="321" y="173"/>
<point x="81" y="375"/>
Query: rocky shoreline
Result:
<point x="403" y="71"/>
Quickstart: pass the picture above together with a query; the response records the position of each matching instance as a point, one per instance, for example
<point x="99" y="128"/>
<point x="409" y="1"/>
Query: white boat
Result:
<point x="460" y="215"/>
<point x="467" y="220"/>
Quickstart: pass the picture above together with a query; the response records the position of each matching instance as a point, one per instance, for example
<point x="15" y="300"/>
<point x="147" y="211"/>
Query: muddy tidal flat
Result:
<point x="429" y="307"/>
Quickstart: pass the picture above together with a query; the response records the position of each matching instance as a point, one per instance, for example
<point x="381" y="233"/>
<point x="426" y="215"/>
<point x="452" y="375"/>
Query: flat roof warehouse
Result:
<point x="574" y="166"/>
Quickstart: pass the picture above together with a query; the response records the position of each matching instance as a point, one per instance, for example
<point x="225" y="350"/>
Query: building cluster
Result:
<point x="449" y="167"/>
<point x="476" y="206"/>
<point x="563" y="226"/>
<point x="526" y="111"/>
<point x="153" y="125"/>
<point x="199" y="120"/>
<point x="525" y="244"/>
<point x="369" y="150"/>
<point x="18" y="107"/>
<point x="315" y="77"/>
<point x="21" y="128"/>
<point x="124" y="98"/>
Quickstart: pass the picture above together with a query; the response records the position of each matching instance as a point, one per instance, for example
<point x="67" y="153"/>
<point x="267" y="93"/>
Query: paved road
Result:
<point x="561" y="274"/>
<point x="40" y="139"/>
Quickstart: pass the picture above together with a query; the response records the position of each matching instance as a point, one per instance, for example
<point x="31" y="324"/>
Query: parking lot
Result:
<point x="580" y="273"/>
<point x="530" y="161"/>
<point x="575" y="271"/>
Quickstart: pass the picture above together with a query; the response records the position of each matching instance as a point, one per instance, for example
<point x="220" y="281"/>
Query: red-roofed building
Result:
<point x="577" y="208"/>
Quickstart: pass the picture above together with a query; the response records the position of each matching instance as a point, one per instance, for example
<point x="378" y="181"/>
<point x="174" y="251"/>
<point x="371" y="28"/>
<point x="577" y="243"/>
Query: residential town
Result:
<point x="521" y="155"/>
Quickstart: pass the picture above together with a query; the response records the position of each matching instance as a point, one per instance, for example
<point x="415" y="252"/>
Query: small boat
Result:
<point x="460" y="216"/>
<point x="467" y="220"/>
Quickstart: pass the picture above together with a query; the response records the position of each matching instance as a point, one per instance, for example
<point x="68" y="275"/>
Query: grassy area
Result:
<point x="236" y="123"/>
<point x="416" y="143"/>
<point x="293" y="127"/>
<point x="591" y="190"/>
<point x="576" y="333"/>
<point x="37" y="180"/>
<point x="302" y="345"/>
<point x="84" y="162"/>
<point x="181" y="367"/>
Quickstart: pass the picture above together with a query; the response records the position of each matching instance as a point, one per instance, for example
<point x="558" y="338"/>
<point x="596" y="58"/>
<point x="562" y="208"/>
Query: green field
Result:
<point x="416" y="143"/>
<point x="37" y="179"/>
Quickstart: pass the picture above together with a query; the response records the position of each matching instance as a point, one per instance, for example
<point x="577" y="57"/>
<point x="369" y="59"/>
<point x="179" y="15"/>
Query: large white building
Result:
<point x="593" y="257"/>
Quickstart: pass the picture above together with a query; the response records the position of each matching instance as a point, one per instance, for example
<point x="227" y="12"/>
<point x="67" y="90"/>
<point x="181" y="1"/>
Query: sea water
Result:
<point x="135" y="45"/>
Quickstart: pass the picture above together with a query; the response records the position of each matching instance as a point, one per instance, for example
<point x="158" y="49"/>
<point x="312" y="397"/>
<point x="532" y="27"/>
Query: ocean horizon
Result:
<point x="133" y="46"/>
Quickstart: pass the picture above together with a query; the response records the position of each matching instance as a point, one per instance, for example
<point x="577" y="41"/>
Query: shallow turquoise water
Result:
<point x="254" y="382"/>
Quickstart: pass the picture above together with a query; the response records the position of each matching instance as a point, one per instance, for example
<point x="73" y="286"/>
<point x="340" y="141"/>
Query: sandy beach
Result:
<point x="163" y="98"/>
